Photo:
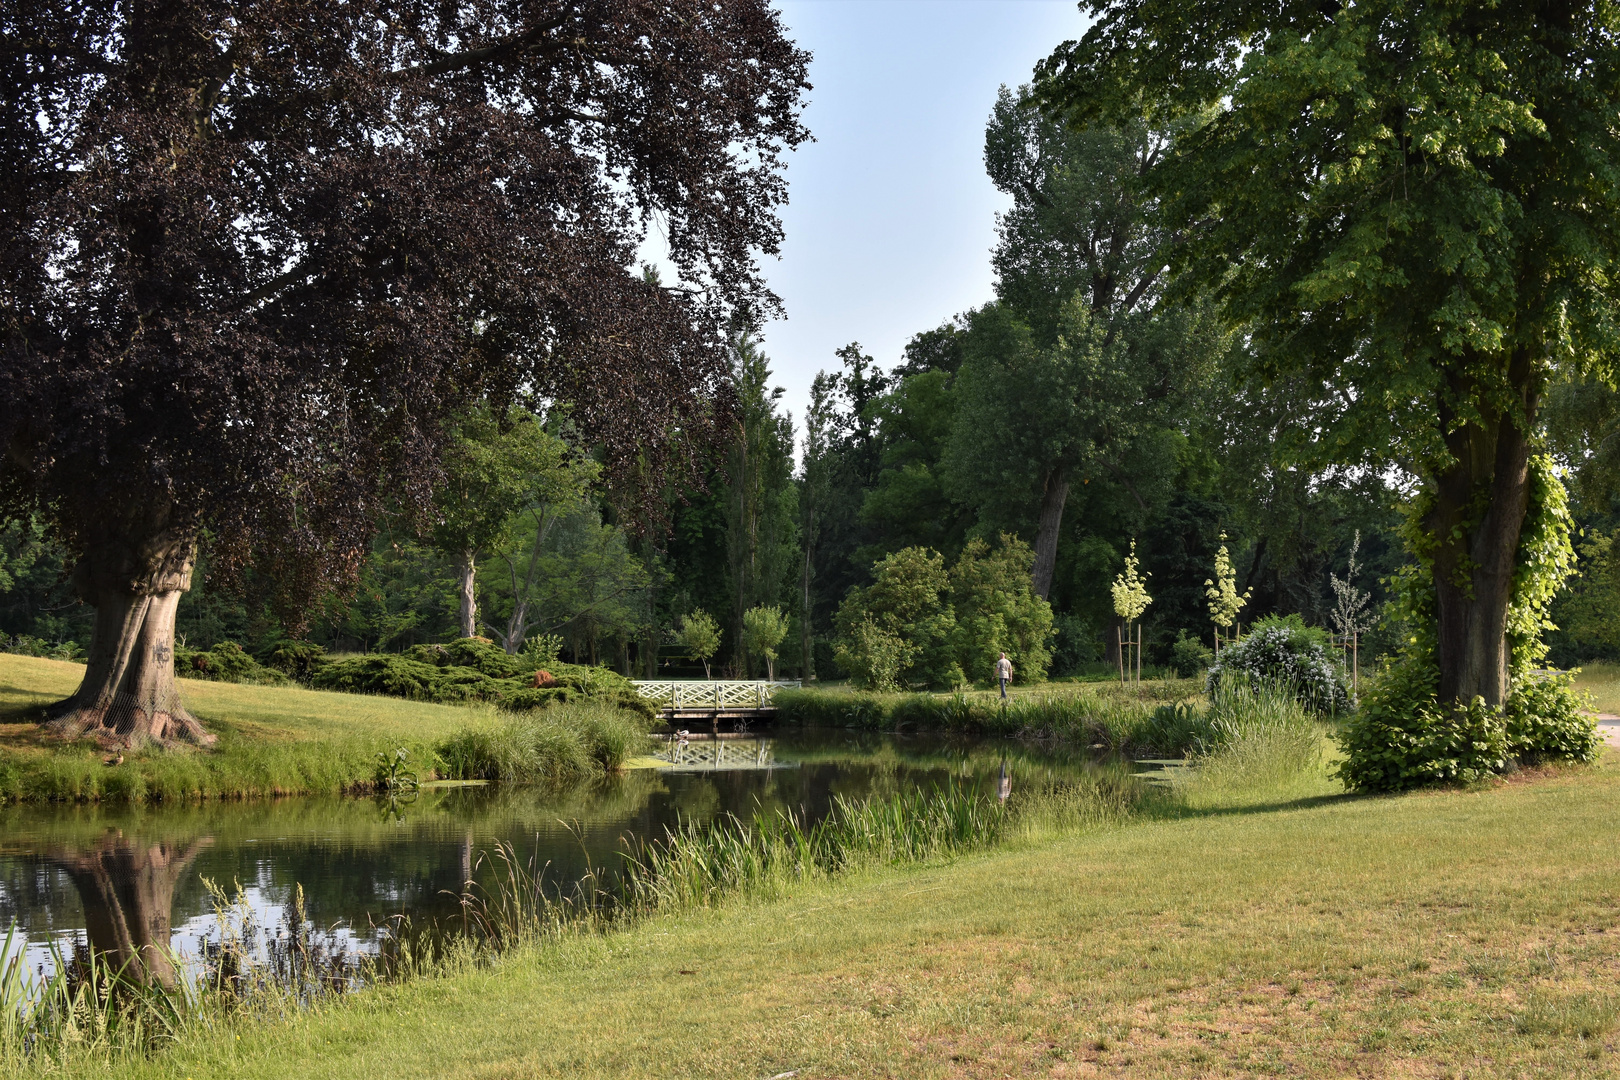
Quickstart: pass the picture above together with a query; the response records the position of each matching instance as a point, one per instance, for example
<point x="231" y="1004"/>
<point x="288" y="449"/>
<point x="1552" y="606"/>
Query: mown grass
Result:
<point x="272" y="741"/>
<point x="1602" y="681"/>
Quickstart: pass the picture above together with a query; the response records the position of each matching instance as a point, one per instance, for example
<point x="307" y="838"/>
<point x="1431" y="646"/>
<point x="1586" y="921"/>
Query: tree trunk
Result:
<point x="128" y="696"/>
<point x="1046" y="534"/>
<point x="1478" y="515"/>
<point x="806" y="636"/>
<point x="467" y="576"/>
<point x="127" y="889"/>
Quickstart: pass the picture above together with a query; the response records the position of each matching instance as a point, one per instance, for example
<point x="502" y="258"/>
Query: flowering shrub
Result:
<point x="1285" y="652"/>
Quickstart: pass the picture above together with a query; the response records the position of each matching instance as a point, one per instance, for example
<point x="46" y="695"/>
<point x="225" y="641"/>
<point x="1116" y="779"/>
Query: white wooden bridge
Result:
<point x="714" y="699"/>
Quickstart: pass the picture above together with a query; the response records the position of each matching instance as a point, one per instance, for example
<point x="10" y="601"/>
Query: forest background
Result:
<point x="1087" y="406"/>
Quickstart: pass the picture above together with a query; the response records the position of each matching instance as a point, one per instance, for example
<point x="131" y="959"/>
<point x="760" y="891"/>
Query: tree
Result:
<point x="900" y="629"/>
<point x="1224" y="600"/>
<point x="815" y="489"/>
<point x="1088" y="362"/>
<point x="997" y="611"/>
<point x="761" y="499"/>
<point x="1410" y="208"/>
<point x="494" y="474"/>
<point x="764" y="627"/>
<point x="699" y="635"/>
<point x="252" y="258"/>
<point x="1131" y="599"/>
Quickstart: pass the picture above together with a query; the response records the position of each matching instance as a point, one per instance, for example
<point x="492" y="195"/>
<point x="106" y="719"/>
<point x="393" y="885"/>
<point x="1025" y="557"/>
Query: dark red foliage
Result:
<point x="252" y="255"/>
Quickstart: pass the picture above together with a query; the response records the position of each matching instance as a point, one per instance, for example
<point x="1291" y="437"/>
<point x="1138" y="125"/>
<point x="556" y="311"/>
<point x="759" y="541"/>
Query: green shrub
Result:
<point x="1189" y="656"/>
<point x="25" y="645"/>
<point x="393" y="676"/>
<point x="297" y="659"/>
<point x="1403" y="737"/>
<point x="225" y="662"/>
<point x="1548" y="721"/>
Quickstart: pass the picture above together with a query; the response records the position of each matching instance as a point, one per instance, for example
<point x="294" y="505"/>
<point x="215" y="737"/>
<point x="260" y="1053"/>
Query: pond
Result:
<point x="88" y="874"/>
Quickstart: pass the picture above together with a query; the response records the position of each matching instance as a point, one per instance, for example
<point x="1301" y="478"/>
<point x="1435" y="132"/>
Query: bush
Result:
<point x="1189" y="656"/>
<point x="429" y="673"/>
<point x="297" y="659"/>
<point x="393" y="676"/>
<point x="225" y="662"/>
<point x="1404" y="737"/>
<point x="24" y="645"/>
<point x="1283" y="651"/>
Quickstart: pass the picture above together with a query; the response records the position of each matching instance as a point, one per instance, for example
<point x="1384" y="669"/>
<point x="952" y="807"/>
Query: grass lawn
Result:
<point x="272" y="740"/>
<point x="1437" y="934"/>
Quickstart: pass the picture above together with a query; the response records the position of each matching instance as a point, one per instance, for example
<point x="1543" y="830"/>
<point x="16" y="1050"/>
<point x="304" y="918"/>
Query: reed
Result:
<point x="560" y="744"/>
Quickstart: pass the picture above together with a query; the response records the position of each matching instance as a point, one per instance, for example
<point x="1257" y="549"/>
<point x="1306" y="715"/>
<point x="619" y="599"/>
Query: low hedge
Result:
<point x="472" y="670"/>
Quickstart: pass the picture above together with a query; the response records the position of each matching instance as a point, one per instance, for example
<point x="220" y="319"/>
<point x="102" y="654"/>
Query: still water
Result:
<point x="91" y="874"/>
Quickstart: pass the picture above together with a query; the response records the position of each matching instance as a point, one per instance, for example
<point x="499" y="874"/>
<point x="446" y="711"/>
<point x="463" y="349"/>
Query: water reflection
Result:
<point x="125" y="879"/>
<point x="126" y="892"/>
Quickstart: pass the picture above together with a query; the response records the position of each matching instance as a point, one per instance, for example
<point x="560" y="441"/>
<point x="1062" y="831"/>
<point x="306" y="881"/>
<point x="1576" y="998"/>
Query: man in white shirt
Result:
<point x="1004" y="673"/>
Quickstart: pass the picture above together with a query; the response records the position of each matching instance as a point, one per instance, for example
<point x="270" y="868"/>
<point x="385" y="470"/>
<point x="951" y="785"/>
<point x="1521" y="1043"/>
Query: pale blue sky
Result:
<point x="891" y="217"/>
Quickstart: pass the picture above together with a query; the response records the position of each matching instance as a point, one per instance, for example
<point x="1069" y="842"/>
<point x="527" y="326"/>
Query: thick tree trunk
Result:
<point x="467" y="575"/>
<point x="128" y="696"/>
<point x="1478" y="515"/>
<point x="1046" y="532"/>
<point x="127" y="889"/>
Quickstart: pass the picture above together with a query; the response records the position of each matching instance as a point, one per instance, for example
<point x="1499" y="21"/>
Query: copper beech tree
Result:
<point x="254" y="256"/>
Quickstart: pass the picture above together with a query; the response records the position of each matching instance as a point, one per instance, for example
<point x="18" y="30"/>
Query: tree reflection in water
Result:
<point x="127" y="888"/>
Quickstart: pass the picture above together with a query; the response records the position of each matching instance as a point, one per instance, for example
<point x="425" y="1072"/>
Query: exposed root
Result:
<point x="125" y="722"/>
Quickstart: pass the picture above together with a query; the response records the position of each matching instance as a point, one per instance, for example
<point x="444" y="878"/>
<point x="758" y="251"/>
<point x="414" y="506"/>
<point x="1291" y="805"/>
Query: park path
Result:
<point x="1609" y="728"/>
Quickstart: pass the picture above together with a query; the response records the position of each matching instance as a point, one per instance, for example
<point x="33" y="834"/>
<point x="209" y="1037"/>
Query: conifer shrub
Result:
<point x="225" y="662"/>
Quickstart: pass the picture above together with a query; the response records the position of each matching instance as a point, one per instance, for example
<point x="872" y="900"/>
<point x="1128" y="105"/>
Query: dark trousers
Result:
<point x="1004" y="686"/>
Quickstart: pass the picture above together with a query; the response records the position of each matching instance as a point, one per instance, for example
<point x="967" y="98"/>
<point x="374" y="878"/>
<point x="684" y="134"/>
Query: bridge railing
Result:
<point x="716" y="694"/>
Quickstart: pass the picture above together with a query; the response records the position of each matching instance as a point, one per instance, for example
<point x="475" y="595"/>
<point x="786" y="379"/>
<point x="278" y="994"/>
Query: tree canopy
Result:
<point x="1412" y="210"/>
<point x="251" y="258"/>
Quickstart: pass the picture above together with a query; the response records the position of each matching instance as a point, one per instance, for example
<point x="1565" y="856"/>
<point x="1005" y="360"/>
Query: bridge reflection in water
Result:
<point x="721" y="755"/>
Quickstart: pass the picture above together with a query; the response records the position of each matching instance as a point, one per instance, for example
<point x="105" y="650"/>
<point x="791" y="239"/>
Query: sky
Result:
<point x="891" y="218"/>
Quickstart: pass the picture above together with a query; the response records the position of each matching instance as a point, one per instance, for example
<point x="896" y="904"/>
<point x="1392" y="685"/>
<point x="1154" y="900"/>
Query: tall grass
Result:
<point x="1257" y="740"/>
<point x="555" y="745"/>
<point x="696" y="865"/>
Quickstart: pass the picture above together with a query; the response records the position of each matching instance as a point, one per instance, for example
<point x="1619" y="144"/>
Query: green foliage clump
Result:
<point x="1282" y="651"/>
<point x="1404" y="736"/>
<point x="1189" y="656"/>
<point x="764" y="627"/>
<point x="918" y="624"/>
<point x="400" y="676"/>
<point x="475" y="669"/>
<point x="27" y="645"/>
<point x="297" y="659"/>
<point x="570" y="742"/>
<point x="997" y="612"/>
<point x="699" y="635"/>
<point x="225" y="662"/>
<point x="898" y="630"/>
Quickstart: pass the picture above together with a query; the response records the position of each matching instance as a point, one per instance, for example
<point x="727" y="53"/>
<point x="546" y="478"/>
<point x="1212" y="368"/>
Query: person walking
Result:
<point x="1004" y="673"/>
